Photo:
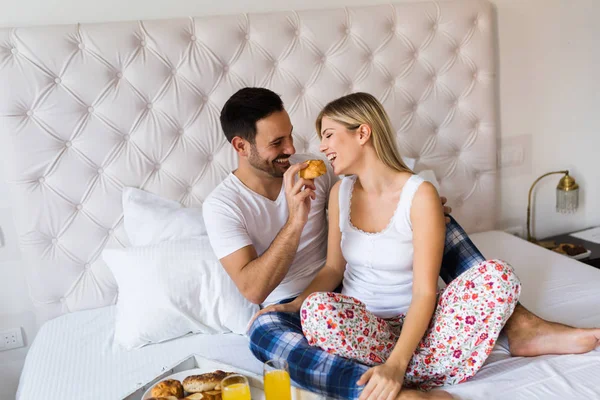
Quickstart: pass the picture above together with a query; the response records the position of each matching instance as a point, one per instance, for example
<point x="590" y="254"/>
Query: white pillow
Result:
<point x="149" y="218"/>
<point x="410" y="162"/>
<point x="173" y="288"/>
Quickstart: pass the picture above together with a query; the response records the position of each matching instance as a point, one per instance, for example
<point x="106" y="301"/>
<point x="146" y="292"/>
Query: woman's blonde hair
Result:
<point x="356" y="109"/>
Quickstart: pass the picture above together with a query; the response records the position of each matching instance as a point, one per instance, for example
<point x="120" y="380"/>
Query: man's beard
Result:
<point x="270" y="167"/>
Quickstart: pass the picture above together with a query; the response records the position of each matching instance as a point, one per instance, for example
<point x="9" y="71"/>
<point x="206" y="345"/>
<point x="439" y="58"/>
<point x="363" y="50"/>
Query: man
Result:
<point x="269" y="231"/>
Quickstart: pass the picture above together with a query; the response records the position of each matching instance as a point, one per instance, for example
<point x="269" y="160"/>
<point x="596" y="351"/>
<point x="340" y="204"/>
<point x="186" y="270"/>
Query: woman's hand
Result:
<point x="291" y="307"/>
<point x="384" y="382"/>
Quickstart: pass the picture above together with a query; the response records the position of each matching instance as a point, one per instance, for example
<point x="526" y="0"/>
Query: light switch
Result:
<point x="511" y="156"/>
<point x="515" y="155"/>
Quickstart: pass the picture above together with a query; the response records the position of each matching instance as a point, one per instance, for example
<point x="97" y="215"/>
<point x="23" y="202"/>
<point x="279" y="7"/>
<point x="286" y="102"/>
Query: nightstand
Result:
<point x="594" y="257"/>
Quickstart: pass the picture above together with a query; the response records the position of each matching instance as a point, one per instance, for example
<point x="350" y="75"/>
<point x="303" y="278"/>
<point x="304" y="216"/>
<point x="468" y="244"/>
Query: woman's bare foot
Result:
<point x="529" y="336"/>
<point x="409" y="394"/>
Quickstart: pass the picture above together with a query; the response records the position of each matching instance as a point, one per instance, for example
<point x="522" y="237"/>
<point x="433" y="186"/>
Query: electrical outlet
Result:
<point x="11" y="339"/>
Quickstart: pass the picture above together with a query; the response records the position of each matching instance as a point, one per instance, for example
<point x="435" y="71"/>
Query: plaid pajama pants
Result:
<point x="279" y="335"/>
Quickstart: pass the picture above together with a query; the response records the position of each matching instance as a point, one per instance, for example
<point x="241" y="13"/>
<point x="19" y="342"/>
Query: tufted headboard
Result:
<point x="88" y="109"/>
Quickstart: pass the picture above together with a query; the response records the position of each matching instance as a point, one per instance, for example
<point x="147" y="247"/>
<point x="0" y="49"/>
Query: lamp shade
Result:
<point x="567" y="195"/>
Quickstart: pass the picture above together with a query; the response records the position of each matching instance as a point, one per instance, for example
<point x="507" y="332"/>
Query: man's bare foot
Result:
<point x="409" y="394"/>
<point x="529" y="336"/>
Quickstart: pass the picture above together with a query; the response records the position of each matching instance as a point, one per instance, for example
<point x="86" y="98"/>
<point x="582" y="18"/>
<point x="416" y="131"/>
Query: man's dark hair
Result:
<point x="248" y="105"/>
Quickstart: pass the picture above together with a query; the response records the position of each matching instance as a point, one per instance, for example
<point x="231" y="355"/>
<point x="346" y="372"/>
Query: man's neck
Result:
<point x="259" y="182"/>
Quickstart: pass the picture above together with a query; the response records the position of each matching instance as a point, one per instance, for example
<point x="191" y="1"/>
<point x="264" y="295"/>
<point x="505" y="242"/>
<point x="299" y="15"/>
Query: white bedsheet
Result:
<point x="73" y="356"/>
<point x="554" y="287"/>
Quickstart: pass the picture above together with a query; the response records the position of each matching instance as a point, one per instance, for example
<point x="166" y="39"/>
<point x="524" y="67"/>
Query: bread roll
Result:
<point x="204" y="382"/>
<point x="169" y="387"/>
<point x="315" y="169"/>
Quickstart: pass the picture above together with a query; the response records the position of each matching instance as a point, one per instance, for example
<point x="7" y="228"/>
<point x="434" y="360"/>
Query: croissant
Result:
<point x="170" y="387"/>
<point x="315" y="169"/>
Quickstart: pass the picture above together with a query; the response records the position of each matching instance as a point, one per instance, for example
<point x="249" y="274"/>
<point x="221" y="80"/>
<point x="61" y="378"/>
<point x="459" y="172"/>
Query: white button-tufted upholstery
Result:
<point x="88" y="109"/>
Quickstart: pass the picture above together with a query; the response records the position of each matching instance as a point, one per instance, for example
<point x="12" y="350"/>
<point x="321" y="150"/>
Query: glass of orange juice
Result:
<point x="235" y="387"/>
<point x="277" y="380"/>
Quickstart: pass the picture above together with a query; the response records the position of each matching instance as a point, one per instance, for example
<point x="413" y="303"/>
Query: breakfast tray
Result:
<point x="197" y="364"/>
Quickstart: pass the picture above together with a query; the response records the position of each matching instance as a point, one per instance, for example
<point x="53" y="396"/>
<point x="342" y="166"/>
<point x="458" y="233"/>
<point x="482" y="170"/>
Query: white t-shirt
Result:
<point x="236" y="217"/>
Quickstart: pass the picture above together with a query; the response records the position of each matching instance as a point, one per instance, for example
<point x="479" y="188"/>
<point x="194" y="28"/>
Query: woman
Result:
<point x="386" y="242"/>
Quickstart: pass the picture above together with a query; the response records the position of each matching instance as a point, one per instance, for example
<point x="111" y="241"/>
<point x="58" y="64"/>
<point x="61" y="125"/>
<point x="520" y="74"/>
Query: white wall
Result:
<point x="549" y="94"/>
<point x="16" y="309"/>
<point x="549" y="58"/>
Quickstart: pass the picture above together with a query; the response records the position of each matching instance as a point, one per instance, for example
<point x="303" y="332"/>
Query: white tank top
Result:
<point x="379" y="269"/>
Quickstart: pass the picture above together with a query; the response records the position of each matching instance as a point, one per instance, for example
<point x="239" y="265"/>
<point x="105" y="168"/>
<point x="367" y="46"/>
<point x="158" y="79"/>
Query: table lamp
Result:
<point x="567" y="197"/>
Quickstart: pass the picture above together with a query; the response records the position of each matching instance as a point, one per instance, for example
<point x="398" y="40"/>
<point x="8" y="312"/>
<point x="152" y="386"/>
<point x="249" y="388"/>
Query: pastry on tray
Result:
<point x="169" y="387"/>
<point x="163" y="398"/>
<point x="197" y="387"/>
<point x="205" y="382"/>
<point x="211" y="395"/>
<point x="570" y="249"/>
<point x="195" y="396"/>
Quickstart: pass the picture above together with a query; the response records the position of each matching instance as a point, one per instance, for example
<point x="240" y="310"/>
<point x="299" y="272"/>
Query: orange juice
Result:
<point x="236" y="391"/>
<point x="278" y="385"/>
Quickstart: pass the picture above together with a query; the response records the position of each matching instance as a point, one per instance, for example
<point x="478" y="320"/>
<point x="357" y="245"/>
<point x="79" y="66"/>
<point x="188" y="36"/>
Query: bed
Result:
<point x="87" y="110"/>
<point x="75" y="352"/>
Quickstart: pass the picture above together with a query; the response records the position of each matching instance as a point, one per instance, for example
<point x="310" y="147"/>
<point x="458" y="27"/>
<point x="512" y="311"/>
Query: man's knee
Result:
<point x="261" y="333"/>
<point x="265" y="322"/>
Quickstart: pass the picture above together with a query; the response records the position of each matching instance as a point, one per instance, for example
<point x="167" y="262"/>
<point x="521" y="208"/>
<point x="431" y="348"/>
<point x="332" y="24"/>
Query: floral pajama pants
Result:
<point x="470" y="313"/>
